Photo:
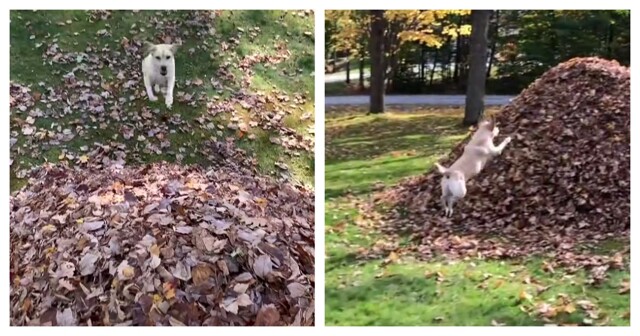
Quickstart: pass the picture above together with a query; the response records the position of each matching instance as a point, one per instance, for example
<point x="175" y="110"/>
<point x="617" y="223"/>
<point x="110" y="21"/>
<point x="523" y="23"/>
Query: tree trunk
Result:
<point x="348" y="71"/>
<point x="376" y="45"/>
<point x="422" y="63"/>
<point x="474" y="104"/>
<point x="363" y="52"/>
<point x="456" y="65"/>
<point x="610" y="36"/>
<point x="361" y="74"/>
<point x="494" y="41"/>
<point x="433" y="68"/>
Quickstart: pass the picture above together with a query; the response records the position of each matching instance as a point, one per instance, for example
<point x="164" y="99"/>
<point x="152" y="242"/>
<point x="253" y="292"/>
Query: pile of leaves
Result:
<point x="560" y="187"/>
<point x="161" y="244"/>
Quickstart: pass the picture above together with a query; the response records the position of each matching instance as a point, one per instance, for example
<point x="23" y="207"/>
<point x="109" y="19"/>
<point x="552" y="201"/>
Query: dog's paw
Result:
<point x="168" y="101"/>
<point x="153" y="98"/>
<point x="156" y="88"/>
<point x="507" y="140"/>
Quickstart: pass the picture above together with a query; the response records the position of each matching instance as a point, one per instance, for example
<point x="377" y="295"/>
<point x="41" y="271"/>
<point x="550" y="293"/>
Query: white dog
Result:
<point x="159" y="70"/>
<point x="475" y="156"/>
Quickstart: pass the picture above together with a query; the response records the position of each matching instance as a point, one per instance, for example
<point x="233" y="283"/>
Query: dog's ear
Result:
<point x="148" y="47"/>
<point x="174" y="47"/>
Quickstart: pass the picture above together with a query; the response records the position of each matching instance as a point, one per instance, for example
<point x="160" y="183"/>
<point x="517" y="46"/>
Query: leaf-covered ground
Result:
<point x="127" y="213"/>
<point x="370" y="281"/>
<point x="242" y="76"/>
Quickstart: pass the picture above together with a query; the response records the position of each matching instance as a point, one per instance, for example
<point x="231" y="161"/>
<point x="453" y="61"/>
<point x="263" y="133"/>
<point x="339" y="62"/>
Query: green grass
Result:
<point x="362" y="150"/>
<point x="32" y="31"/>
<point x="361" y="289"/>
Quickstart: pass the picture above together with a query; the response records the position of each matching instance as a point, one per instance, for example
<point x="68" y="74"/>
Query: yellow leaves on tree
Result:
<point x="351" y="30"/>
<point x="429" y="27"/>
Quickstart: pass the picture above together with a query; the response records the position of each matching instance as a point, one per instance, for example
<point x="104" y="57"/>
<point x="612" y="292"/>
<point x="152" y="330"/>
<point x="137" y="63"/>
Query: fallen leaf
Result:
<point x="244" y="300"/>
<point x="168" y="290"/>
<point x="625" y="287"/>
<point x="262" y="266"/>
<point x="524" y="296"/>
<point x="125" y="272"/>
<point x="181" y="271"/>
<point x="65" y="270"/>
<point x="231" y="305"/>
<point x="296" y="290"/>
<point x="66" y="318"/>
<point x="240" y="288"/>
<point x="268" y="315"/>
<point x="201" y="274"/>
<point x="92" y="226"/>
<point x="88" y="263"/>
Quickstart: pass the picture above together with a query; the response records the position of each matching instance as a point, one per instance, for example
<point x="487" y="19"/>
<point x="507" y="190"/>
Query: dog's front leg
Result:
<point x="148" y="87"/>
<point x="168" y="98"/>
<point x="497" y="150"/>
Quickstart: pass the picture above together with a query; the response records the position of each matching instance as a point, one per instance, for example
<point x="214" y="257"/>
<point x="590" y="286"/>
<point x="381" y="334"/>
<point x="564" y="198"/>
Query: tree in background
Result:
<point x="532" y="41"/>
<point x="349" y="37"/>
<point x="376" y="44"/>
<point x="474" y="104"/>
<point x="428" y="51"/>
<point x="409" y="31"/>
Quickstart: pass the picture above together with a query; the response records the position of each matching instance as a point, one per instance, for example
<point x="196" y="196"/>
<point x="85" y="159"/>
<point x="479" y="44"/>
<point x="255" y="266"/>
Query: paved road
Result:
<point x="434" y="100"/>
<point x="341" y="76"/>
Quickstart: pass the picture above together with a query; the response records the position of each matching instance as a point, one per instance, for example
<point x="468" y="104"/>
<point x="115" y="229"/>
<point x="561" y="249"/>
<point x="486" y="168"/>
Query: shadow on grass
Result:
<point x="367" y="137"/>
<point x="362" y="150"/>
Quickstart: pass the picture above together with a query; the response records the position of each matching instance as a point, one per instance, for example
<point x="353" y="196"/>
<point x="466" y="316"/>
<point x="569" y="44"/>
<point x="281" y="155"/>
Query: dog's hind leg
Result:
<point x="445" y="205"/>
<point x="452" y="201"/>
<point x="156" y="88"/>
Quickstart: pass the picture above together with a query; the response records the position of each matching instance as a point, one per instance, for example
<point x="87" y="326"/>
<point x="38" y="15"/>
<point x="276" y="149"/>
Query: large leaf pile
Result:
<point x="161" y="245"/>
<point x="560" y="187"/>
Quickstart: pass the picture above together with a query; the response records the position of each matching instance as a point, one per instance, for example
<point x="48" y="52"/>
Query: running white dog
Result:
<point x="159" y="70"/>
<point x="475" y="156"/>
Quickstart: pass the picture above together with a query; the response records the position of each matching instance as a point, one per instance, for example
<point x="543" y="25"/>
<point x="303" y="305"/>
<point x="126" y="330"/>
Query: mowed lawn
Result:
<point x="364" y="152"/>
<point x="242" y="77"/>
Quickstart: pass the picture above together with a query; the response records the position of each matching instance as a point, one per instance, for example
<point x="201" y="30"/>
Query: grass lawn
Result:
<point x="242" y="77"/>
<point x="364" y="151"/>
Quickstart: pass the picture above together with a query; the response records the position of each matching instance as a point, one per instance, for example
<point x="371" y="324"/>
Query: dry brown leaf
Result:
<point x="263" y="266"/>
<point x="268" y="315"/>
<point x="296" y="289"/>
<point x="88" y="263"/>
<point x="240" y="288"/>
<point x="201" y="274"/>
<point x="244" y="300"/>
<point x="181" y="271"/>
<point x="125" y="272"/>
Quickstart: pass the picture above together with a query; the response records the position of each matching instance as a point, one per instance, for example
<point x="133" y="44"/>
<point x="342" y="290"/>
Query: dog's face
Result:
<point x="161" y="56"/>
<point x="489" y="126"/>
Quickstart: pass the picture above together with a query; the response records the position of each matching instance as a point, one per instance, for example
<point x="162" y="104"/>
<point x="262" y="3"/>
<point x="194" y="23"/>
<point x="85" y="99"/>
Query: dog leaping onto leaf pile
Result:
<point x="476" y="154"/>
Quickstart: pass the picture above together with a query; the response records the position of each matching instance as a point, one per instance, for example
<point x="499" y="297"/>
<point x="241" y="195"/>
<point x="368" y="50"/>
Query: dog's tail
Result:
<point x="442" y="170"/>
